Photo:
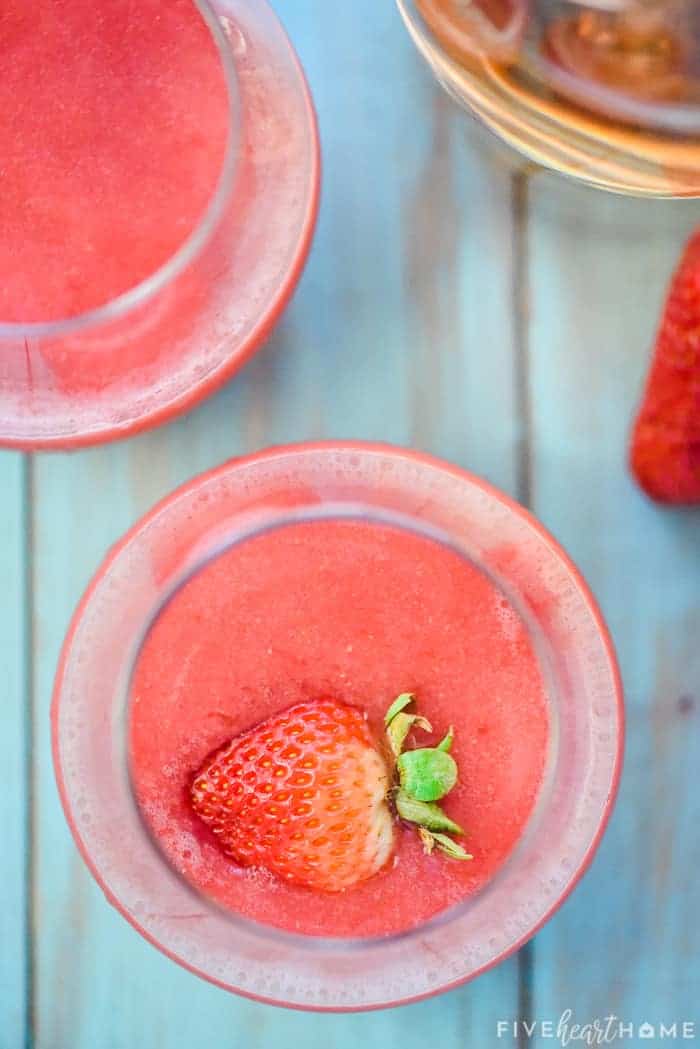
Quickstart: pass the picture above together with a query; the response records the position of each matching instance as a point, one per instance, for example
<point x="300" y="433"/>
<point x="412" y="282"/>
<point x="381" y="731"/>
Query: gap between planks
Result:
<point x="29" y="730"/>
<point x="520" y="214"/>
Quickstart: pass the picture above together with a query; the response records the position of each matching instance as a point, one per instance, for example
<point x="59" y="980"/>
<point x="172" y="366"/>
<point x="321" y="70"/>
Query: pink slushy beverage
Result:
<point x="359" y="612"/>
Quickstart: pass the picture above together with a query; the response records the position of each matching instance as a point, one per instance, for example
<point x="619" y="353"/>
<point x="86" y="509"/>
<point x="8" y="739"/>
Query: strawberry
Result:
<point x="303" y="794"/>
<point x="665" y="448"/>
<point x="306" y="794"/>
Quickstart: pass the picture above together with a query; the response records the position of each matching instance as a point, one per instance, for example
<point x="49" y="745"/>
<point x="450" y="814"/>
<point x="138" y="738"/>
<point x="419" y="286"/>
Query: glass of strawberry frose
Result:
<point x="158" y="195"/>
<point x="337" y="726"/>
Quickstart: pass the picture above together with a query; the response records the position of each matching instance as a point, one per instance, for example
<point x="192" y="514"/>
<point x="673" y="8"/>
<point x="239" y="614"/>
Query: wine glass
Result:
<point x="606" y="91"/>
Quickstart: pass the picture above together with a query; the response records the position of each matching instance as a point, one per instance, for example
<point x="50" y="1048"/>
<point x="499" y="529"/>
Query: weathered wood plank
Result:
<point x="624" y="943"/>
<point x="14" y="983"/>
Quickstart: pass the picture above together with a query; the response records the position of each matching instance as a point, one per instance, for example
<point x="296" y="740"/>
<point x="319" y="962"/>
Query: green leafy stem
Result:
<point x="425" y="776"/>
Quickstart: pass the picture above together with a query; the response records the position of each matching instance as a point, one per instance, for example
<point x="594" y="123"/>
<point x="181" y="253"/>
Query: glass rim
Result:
<point x="330" y="946"/>
<point x="164" y="274"/>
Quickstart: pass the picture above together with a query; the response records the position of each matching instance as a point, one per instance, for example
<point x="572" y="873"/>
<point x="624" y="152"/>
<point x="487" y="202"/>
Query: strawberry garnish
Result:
<point x="665" y="450"/>
<point x="303" y="795"/>
<point x="425" y="776"/>
<point x="308" y="795"/>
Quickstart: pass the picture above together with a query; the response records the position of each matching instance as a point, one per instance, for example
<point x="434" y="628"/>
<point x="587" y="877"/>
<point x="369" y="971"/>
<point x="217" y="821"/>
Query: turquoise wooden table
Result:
<point x="501" y="320"/>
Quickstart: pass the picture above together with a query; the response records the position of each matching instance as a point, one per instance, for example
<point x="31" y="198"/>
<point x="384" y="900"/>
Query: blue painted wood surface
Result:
<point x="14" y="723"/>
<point x="627" y="942"/>
<point x="500" y="322"/>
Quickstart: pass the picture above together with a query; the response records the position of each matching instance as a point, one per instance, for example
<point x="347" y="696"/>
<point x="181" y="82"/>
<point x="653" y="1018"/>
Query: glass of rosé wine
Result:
<point x="607" y="91"/>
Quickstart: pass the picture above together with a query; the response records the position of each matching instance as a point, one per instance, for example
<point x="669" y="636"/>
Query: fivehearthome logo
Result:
<point x="570" y="1031"/>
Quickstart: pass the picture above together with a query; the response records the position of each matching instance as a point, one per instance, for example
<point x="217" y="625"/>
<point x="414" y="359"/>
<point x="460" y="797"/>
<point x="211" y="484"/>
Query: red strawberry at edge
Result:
<point x="303" y="794"/>
<point x="665" y="449"/>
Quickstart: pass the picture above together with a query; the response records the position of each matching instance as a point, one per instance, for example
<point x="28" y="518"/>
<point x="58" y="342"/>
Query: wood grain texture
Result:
<point x="399" y="332"/>
<point x="626" y="942"/>
<point x="13" y="752"/>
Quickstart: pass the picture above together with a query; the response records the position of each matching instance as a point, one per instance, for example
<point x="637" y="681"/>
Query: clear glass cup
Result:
<point x="270" y="490"/>
<point x="165" y="344"/>
<point x="607" y="91"/>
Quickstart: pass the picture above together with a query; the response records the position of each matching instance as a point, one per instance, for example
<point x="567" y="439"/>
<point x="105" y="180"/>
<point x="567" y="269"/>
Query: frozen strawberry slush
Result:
<point x="355" y="612"/>
<point x="114" y="124"/>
